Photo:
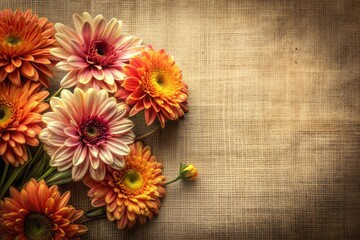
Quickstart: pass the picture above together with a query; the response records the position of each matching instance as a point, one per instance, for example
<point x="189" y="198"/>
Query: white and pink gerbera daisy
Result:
<point x="87" y="131"/>
<point x="94" y="54"/>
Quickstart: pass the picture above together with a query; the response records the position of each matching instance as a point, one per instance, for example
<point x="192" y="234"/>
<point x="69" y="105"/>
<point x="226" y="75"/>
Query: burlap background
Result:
<point x="274" y="120"/>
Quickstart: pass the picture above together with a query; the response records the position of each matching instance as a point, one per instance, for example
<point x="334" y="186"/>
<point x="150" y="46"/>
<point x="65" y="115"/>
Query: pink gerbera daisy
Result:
<point x="94" y="54"/>
<point x="86" y="131"/>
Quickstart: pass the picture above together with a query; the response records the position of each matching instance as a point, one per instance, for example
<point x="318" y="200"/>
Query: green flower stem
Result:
<point x="54" y="95"/>
<point x="147" y="134"/>
<point x="4" y="174"/>
<point x="13" y="176"/>
<point x="17" y="171"/>
<point x="47" y="173"/>
<point x="38" y="151"/>
<point x="93" y="218"/>
<point x="172" y="181"/>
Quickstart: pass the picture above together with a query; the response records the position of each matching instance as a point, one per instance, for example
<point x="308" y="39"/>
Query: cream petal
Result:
<point x="100" y="25"/>
<point x="84" y="76"/>
<point x="106" y="156"/>
<point x="79" y="154"/>
<point x="71" y="132"/>
<point x="69" y="80"/>
<point x="99" y="173"/>
<point x="56" y="140"/>
<point x="117" y="146"/>
<point x="60" y="52"/>
<point x="130" y="52"/>
<point x="122" y="126"/>
<point x="57" y="128"/>
<point x="63" y="65"/>
<point x="102" y="96"/>
<point x="91" y="100"/>
<point x="110" y="26"/>
<point x="107" y="109"/>
<point x="95" y="162"/>
<point x="108" y="77"/>
<point x="119" y="163"/>
<point x="64" y="41"/>
<point x="63" y="153"/>
<point x="72" y="141"/>
<point x="77" y="62"/>
<point x="123" y="41"/>
<point x="78" y="22"/>
<point x="67" y="31"/>
<point x="87" y="18"/>
<point x="98" y="74"/>
<point x="87" y="33"/>
<point x="128" y="138"/>
<point x="79" y="172"/>
<point x="94" y="151"/>
<point x="56" y="101"/>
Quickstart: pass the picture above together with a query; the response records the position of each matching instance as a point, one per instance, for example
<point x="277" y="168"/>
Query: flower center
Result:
<point x="13" y="40"/>
<point x="94" y="130"/>
<point x="37" y="227"/>
<point x="133" y="179"/>
<point x="160" y="83"/>
<point x="6" y="115"/>
<point x="101" y="53"/>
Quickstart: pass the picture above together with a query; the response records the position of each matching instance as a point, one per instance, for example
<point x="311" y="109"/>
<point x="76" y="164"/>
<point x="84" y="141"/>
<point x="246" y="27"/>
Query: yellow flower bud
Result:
<point x="188" y="172"/>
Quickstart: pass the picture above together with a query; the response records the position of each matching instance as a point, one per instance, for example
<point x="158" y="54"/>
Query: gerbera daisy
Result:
<point x="86" y="131"/>
<point x="25" y="43"/>
<point x="133" y="193"/>
<point x="154" y="83"/>
<point x="38" y="212"/>
<point x="95" y="53"/>
<point x="20" y="119"/>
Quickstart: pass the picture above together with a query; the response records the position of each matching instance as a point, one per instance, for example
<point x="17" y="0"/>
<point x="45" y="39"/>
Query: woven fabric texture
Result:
<point x="274" y="121"/>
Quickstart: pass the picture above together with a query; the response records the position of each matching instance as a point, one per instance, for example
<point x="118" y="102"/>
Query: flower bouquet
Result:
<point x="84" y="130"/>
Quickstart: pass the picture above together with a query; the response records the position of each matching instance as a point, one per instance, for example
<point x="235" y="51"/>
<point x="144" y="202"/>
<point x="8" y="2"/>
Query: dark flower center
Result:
<point x="2" y="113"/>
<point x="101" y="53"/>
<point x="37" y="227"/>
<point x="94" y="130"/>
<point x="13" y="40"/>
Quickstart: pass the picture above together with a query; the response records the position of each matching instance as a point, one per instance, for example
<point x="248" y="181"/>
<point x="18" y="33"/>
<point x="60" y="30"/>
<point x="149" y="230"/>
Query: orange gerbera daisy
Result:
<point x="25" y="43"/>
<point x="20" y="119"/>
<point x="38" y="212"/>
<point x="154" y="83"/>
<point x="133" y="193"/>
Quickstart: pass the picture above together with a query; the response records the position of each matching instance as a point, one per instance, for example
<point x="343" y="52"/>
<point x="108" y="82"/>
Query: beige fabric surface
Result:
<point x="274" y="116"/>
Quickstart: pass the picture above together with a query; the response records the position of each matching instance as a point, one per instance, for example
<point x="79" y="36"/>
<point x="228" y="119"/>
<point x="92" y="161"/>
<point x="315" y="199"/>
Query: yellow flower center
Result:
<point x="161" y="83"/>
<point x="38" y="227"/>
<point x="6" y="115"/>
<point x="13" y="40"/>
<point x="133" y="179"/>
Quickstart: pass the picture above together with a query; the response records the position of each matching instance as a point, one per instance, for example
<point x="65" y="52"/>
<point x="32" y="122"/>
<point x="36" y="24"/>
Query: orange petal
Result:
<point x="27" y="69"/>
<point x="15" y="77"/>
<point x="10" y="68"/>
<point x="16" y="62"/>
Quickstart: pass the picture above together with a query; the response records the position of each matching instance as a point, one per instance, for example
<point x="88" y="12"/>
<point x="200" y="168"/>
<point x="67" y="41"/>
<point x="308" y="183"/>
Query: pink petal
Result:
<point x="86" y="33"/>
<point x="98" y="74"/>
<point x="79" y="172"/>
<point x="117" y="146"/>
<point x="79" y="155"/>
